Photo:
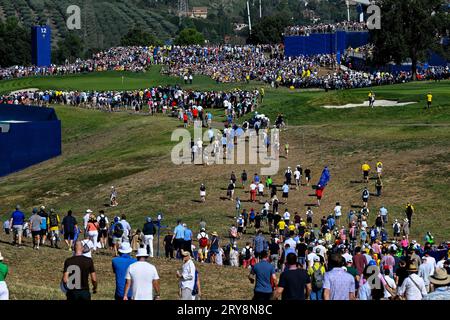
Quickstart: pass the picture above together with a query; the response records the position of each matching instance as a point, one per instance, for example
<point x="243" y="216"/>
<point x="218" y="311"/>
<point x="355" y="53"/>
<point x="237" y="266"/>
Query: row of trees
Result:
<point x="15" y="39"/>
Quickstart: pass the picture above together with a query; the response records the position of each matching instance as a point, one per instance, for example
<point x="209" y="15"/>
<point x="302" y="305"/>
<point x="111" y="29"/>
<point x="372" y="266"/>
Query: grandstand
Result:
<point x="28" y="135"/>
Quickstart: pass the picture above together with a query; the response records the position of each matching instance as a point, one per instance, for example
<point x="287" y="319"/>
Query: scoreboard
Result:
<point x="41" y="45"/>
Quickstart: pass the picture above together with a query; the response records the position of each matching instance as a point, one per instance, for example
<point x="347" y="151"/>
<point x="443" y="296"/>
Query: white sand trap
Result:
<point x="25" y="90"/>
<point x="378" y="103"/>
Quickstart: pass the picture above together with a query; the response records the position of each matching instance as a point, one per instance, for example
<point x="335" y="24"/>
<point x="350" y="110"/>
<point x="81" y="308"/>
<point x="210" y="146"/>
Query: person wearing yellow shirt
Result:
<point x="281" y="227"/>
<point x="365" y="168"/>
<point x="53" y="222"/>
<point x="291" y="227"/>
<point x="429" y="100"/>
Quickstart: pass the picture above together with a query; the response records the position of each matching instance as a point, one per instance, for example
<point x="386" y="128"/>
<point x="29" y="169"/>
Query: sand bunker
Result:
<point x="378" y="103"/>
<point x="25" y="90"/>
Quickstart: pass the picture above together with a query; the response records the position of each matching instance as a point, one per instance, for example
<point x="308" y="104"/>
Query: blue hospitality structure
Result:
<point x="324" y="43"/>
<point x="41" y="46"/>
<point x="28" y="135"/>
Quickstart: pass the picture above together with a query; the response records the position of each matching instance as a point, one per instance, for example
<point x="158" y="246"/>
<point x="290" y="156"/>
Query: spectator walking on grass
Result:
<point x="186" y="277"/>
<point x="17" y="220"/>
<point x="120" y="266"/>
<point x="263" y="275"/>
<point x="80" y="290"/>
<point x="142" y="279"/>
<point x="295" y="283"/>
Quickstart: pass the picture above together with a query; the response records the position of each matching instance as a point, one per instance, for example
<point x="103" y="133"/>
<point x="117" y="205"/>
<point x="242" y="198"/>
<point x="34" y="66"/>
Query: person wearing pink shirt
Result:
<point x="404" y="243"/>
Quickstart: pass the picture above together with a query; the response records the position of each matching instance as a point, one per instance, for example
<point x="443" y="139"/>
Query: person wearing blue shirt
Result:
<point x="264" y="273"/>
<point x="120" y="266"/>
<point x="17" y="220"/>
<point x="285" y="188"/>
<point x="330" y="222"/>
<point x="256" y="178"/>
<point x="178" y="237"/>
<point x="260" y="245"/>
<point x="187" y="239"/>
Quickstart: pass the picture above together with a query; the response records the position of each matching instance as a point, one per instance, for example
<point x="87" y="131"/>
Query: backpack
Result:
<point x="53" y="220"/>
<point x="203" y="242"/>
<point x="118" y="230"/>
<point x="396" y="228"/>
<point x="317" y="279"/>
<point x="102" y="223"/>
<point x="247" y="254"/>
<point x="195" y="289"/>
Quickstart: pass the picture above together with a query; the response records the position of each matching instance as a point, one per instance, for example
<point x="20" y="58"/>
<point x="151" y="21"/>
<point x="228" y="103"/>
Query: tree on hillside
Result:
<point x="137" y="37"/>
<point x="189" y="37"/>
<point x="15" y="40"/>
<point x="268" y="30"/>
<point x="70" y="48"/>
<point x="409" y="29"/>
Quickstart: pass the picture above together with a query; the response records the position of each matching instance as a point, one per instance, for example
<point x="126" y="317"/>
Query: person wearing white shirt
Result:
<point x="291" y="242"/>
<point x="261" y="189"/>
<point x="88" y="246"/>
<point x="86" y="220"/>
<point x="142" y="277"/>
<point x="337" y="212"/>
<point x="286" y="216"/>
<point x="126" y="228"/>
<point x="347" y="256"/>
<point x="413" y="287"/>
<point x="310" y="259"/>
<point x="297" y="176"/>
<point x="186" y="277"/>
<point x="425" y="271"/>
<point x="431" y="260"/>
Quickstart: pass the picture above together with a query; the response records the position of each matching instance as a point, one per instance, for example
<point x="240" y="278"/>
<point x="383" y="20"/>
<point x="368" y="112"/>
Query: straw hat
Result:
<point x="440" y="277"/>
<point x="185" y="253"/>
<point x="412" y="268"/>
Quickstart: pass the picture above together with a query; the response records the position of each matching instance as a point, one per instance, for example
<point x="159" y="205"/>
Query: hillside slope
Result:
<point x="103" y="23"/>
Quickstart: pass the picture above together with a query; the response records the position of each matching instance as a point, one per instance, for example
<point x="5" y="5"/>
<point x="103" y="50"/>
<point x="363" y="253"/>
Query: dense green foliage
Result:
<point x="15" y="43"/>
<point x="189" y="36"/>
<point x="409" y="30"/>
<point x="139" y="37"/>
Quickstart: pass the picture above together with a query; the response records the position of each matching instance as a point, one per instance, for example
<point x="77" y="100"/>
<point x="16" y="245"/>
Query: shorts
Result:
<point x="202" y="193"/>
<point x="308" y="219"/>
<point x="18" y="229"/>
<point x="240" y="229"/>
<point x="366" y="174"/>
<point x="116" y="240"/>
<point x="258" y="255"/>
<point x="285" y="194"/>
<point x="102" y="233"/>
<point x="36" y="233"/>
<point x="69" y="235"/>
<point x="43" y="232"/>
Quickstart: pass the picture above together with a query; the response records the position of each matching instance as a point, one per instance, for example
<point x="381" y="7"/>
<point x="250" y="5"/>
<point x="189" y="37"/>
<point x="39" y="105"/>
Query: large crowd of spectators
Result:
<point x="325" y="28"/>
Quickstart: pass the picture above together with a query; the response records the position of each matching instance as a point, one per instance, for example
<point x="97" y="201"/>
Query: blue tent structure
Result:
<point x="28" y="135"/>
